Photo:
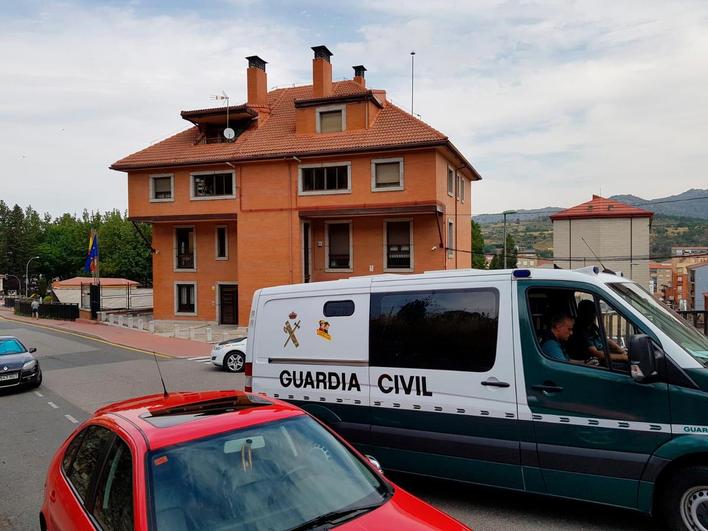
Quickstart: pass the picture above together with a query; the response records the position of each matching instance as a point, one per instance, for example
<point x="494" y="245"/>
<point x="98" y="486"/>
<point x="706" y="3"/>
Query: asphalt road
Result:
<point x="81" y="374"/>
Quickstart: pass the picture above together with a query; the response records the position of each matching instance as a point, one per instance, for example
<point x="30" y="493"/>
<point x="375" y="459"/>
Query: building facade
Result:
<point x="604" y="232"/>
<point x="697" y="286"/>
<point x="682" y="259"/>
<point x="661" y="281"/>
<point x="302" y="184"/>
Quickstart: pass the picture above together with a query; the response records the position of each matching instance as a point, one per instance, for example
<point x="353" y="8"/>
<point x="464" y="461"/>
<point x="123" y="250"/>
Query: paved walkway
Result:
<point x="124" y="337"/>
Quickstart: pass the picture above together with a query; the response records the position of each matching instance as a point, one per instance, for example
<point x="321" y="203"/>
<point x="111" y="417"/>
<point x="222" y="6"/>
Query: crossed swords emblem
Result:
<point x="290" y="330"/>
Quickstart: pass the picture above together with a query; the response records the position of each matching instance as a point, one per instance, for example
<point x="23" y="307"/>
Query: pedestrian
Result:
<point x="35" y="308"/>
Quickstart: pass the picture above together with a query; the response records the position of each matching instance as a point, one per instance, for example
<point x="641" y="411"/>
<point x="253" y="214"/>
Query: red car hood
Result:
<point x="403" y="511"/>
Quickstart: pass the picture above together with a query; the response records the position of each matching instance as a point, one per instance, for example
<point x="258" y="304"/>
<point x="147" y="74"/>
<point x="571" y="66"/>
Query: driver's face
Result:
<point x="564" y="330"/>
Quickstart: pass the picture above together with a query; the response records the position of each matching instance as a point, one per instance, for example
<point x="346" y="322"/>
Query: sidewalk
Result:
<point x="124" y="337"/>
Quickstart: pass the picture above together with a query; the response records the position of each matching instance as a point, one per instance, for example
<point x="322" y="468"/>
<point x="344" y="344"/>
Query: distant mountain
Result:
<point x="690" y="204"/>
<point x="522" y="215"/>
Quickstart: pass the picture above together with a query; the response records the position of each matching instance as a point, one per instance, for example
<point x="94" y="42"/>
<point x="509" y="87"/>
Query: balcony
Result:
<point x="185" y="261"/>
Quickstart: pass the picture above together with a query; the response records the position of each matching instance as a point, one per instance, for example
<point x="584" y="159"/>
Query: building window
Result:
<point x="222" y="244"/>
<point x="450" y="238"/>
<point x="185" y="256"/>
<point x="445" y="330"/>
<point x="398" y="245"/>
<point x="386" y="174"/>
<point x="339" y="246"/>
<point x="331" y="119"/>
<point x="325" y="179"/>
<point x="212" y="185"/>
<point x="186" y="298"/>
<point x="462" y="189"/>
<point x="450" y="182"/>
<point x="161" y="188"/>
<point x="459" y="187"/>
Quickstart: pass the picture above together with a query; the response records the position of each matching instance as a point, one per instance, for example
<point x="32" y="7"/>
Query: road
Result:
<point x="82" y="374"/>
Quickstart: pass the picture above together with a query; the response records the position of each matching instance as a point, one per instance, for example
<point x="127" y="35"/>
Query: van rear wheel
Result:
<point x="685" y="504"/>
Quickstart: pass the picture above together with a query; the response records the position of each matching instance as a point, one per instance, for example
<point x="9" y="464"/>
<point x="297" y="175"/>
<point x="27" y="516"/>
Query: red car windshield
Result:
<point x="280" y="475"/>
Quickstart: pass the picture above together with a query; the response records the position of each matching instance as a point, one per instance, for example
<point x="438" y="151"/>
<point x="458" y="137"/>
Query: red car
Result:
<point x="220" y="460"/>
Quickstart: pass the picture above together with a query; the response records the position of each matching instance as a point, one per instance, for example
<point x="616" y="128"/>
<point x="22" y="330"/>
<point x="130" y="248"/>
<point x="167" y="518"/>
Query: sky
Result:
<point x="551" y="101"/>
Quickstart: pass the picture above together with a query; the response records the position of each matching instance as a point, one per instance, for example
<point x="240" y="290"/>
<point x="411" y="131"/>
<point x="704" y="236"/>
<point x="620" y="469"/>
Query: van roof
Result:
<point x="366" y="282"/>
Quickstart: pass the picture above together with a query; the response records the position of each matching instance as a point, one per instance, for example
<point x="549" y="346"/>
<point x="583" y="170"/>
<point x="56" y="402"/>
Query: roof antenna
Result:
<point x="604" y="269"/>
<point x="164" y="389"/>
<point x="412" y="72"/>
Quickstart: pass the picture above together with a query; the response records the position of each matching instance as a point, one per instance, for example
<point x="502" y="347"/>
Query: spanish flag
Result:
<point x="91" y="263"/>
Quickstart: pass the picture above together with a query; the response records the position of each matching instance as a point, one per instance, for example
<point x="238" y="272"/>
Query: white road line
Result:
<point x="71" y="419"/>
<point x="53" y="405"/>
<point x="40" y="395"/>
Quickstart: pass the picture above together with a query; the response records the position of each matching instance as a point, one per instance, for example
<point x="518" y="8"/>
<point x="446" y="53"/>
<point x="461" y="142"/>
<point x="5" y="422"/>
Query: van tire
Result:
<point x="685" y="497"/>
<point x="234" y="361"/>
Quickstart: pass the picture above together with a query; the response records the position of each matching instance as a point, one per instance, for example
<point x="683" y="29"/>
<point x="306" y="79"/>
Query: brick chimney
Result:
<point x="321" y="72"/>
<point x="257" y="81"/>
<point x="359" y="75"/>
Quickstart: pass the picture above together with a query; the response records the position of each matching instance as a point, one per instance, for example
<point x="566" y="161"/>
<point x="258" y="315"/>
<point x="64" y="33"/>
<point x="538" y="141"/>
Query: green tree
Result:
<point x="478" y="261"/>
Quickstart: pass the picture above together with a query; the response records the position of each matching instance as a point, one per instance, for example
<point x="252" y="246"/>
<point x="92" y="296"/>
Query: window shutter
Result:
<point x="330" y="121"/>
<point x="388" y="173"/>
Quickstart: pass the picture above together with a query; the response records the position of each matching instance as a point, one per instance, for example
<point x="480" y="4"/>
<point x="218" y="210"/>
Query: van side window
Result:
<point x="449" y="330"/>
<point x="338" y="308"/>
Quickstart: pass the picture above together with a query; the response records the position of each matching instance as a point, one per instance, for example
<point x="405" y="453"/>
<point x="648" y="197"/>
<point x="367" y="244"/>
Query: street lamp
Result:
<point x="27" y="275"/>
<point x="505" y="214"/>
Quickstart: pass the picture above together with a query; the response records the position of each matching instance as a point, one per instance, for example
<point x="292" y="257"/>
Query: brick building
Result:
<point x="300" y="184"/>
<point x="616" y="232"/>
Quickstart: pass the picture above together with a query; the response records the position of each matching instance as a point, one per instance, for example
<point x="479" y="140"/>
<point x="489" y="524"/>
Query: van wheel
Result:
<point x="685" y="504"/>
<point x="234" y="361"/>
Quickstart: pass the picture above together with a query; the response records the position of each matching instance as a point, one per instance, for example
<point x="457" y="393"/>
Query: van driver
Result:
<point x="554" y="343"/>
<point x="587" y="340"/>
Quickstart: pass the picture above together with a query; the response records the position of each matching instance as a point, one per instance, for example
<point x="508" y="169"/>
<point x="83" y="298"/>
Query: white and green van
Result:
<point x="443" y="374"/>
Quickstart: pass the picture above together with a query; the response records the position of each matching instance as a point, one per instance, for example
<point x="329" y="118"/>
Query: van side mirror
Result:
<point x="642" y="358"/>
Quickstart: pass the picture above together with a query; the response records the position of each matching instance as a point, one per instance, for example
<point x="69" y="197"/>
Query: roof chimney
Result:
<point x="257" y="81"/>
<point x="359" y="75"/>
<point x="321" y="72"/>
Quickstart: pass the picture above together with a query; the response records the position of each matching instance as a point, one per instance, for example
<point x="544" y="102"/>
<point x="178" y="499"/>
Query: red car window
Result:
<point x="113" y="506"/>
<point x="88" y="458"/>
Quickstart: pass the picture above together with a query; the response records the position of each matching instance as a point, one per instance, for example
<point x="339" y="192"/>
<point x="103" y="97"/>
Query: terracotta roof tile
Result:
<point x="276" y="135"/>
<point x="601" y="207"/>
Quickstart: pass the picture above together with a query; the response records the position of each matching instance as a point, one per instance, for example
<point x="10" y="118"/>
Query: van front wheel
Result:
<point x="686" y="501"/>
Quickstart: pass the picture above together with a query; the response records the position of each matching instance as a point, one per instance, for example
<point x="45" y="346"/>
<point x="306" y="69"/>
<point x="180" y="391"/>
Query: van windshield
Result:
<point x="687" y="337"/>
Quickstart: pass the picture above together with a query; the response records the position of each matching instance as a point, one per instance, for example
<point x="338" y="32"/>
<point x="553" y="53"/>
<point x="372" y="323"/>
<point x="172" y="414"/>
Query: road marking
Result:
<point x="92" y="338"/>
<point x="40" y="395"/>
<point x="71" y="419"/>
<point x="53" y="405"/>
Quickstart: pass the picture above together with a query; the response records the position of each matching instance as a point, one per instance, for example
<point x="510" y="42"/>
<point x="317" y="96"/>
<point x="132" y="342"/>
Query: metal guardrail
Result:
<point x="64" y="312"/>
<point x="699" y="319"/>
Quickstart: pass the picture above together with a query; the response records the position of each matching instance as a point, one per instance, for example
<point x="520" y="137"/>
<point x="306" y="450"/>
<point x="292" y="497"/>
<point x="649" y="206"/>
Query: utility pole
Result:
<point x="412" y="74"/>
<point x="505" y="214"/>
<point x="27" y="275"/>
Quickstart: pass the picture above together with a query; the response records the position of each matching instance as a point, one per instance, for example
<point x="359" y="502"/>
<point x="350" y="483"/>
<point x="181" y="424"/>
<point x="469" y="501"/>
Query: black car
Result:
<point x="17" y="364"/>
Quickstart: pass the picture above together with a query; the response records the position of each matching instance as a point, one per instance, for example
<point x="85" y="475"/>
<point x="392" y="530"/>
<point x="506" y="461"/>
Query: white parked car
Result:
<point x="230" y="355"/>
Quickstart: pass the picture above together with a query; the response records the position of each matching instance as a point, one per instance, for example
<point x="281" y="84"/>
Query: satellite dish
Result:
<point x="229" y="134"/>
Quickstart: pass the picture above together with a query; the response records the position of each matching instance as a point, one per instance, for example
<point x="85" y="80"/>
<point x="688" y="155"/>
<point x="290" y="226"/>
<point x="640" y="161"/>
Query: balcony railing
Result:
<point x="339" y="261"/>
<point x="398" y="257"/>
<point x="185" y="261"/>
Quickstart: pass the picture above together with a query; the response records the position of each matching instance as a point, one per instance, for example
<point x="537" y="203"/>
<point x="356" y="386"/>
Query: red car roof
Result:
<point x="165" y="420"/>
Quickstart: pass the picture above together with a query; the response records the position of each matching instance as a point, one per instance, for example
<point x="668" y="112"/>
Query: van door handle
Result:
<point x="548" y="388"/>
<point x="495" y="383"/>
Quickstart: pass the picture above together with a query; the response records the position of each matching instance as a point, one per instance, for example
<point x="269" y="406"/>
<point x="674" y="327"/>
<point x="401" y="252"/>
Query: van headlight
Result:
<point x="29" y="366"/>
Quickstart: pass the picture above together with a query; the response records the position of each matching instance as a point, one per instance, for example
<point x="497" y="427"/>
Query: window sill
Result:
<point x="153" y="200"/>
<point x="186" y="314"/>
<point x="325" y="192"/>
<point x="349" y="270"/>
<point x="182" y="270"/>
<point x="398" y="270"/>
<point x="222" y="258"/>
<point x="388" y="189"/>
<point x="212" y="197"/>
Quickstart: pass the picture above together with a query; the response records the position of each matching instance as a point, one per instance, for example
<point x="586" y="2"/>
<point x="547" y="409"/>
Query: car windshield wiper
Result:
<point x="336" y="516"/>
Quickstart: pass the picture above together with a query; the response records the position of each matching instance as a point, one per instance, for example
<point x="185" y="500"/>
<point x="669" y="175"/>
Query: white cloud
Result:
<point x="556" y="99"/>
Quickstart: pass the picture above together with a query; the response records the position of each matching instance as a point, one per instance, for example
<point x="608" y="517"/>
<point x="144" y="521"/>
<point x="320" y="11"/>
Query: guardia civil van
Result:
<point x="443" y="374"/>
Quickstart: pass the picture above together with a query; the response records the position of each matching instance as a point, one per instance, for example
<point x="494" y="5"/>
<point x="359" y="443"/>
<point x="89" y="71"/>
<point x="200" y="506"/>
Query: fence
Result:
<point x="112" y="297"/>
<point x="65" y="312"/>
<point x="9" y="302"/>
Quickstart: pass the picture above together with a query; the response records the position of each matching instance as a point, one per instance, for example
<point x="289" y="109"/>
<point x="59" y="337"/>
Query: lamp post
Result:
<point x="505" y="214"/>
<point x="27" y="275"/>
